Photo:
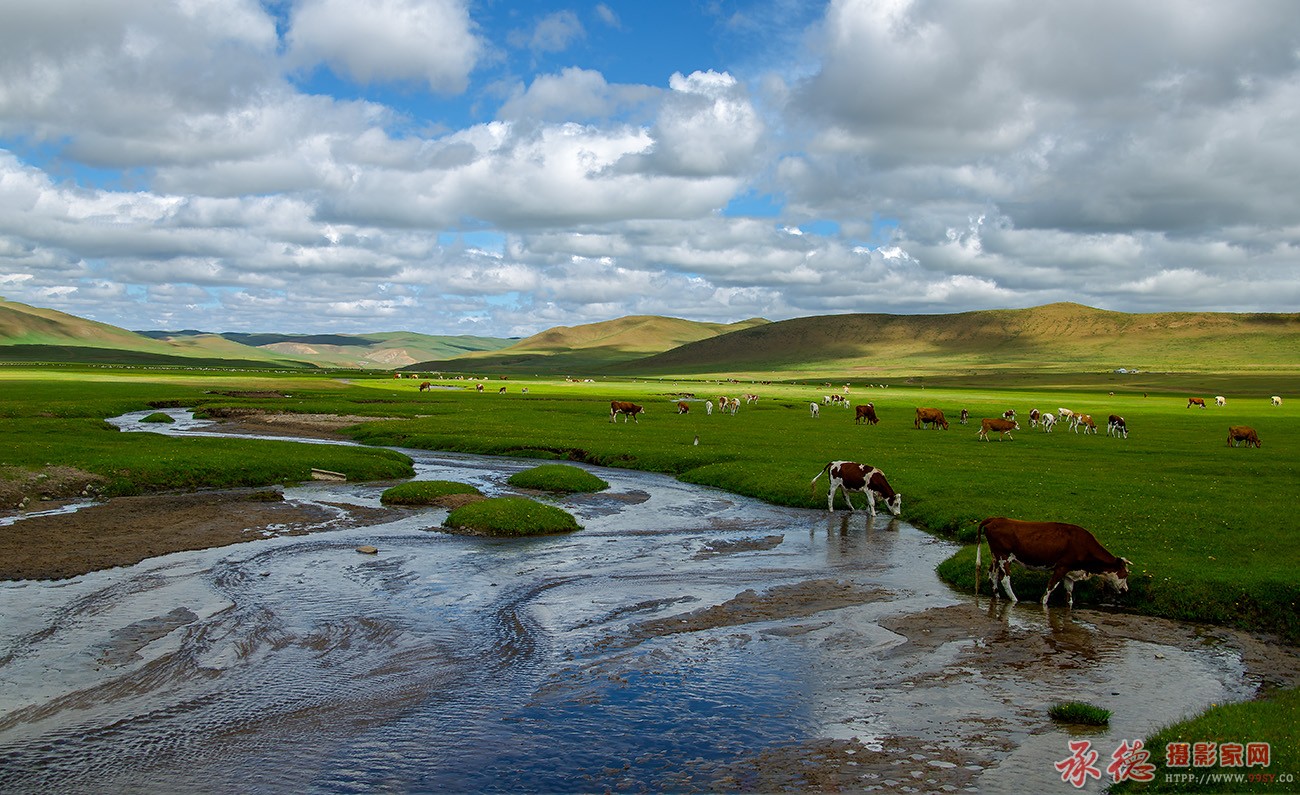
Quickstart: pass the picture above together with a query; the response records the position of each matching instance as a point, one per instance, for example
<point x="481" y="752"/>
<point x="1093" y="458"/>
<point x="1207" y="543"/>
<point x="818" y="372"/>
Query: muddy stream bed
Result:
<point x="685" y="640"/>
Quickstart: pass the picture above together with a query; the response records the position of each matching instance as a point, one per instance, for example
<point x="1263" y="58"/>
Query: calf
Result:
<point x="865" y="413"/>
<point x="1242" y="433"/>
<point x="683" y="407"/>
<point x="852" y="476"/>
<point x="965" y="417"/>
<point x="1071" y="553"/>
<point x="1196" y="402"/>
<point x="930" y="417"/>
<point x="1116" y="426"/>
<point x="1003" y="427"/>
<point x="617" y="407"/>
<point x="1009" y="414"/>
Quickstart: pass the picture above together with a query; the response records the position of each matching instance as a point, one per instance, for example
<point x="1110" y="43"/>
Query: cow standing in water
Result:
<point x="852" y="476"/>
<point x="1071" y="552"/>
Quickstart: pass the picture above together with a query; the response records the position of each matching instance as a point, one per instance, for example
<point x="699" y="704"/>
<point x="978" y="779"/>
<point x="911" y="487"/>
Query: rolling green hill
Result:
<point x="593" y="347"/>
<point x="1063" y="337"/>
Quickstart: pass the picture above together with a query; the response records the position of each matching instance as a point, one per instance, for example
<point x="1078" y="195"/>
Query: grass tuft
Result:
<point x="561" y="478"/>
<point x="510" y="516"/>
<point x="425" y="492"/>
<point x="1079" y="712"/>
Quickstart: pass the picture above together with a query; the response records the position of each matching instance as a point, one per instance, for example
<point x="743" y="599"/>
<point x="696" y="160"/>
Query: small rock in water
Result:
<point x="368" y="550"/>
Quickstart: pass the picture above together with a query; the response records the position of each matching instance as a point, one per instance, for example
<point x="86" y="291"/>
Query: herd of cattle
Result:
<point x="1070" y="552"/>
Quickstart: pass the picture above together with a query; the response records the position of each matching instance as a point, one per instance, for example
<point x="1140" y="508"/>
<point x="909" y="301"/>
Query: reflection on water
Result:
<point x="685" y="639"/>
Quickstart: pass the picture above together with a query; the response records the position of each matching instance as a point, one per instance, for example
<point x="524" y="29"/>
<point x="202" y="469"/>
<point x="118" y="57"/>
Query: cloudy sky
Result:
<point x="498" y="168"/>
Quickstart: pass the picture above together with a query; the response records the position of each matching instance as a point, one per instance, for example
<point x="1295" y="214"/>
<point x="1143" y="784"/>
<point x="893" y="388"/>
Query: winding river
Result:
<point x="686" y="640"/>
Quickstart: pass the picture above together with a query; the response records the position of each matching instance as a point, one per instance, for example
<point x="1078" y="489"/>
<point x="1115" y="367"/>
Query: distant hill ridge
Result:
<point x="1063" y="336"/>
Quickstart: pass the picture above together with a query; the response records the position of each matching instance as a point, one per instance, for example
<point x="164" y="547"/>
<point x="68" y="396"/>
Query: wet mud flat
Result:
<point x="684" y="640"/>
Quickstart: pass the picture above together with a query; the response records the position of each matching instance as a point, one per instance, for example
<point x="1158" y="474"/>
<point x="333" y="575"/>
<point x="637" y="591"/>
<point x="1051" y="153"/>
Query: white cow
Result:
<point x="1275" y="400"/>
<point x="814" y="410"/>
<point x="1220" y="400"/>
<point x="1047" y="420"/>
<point x="708" y="407"/>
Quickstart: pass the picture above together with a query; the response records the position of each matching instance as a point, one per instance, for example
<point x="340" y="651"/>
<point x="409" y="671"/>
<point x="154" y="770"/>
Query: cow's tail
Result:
<point x="812" y="486"/>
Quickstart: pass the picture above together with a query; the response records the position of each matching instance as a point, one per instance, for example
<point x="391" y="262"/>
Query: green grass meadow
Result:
<point x="1211" y="530"/>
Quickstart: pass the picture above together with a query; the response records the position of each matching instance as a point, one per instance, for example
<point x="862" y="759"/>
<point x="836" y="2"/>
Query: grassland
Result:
<point x="1210" y="528"/>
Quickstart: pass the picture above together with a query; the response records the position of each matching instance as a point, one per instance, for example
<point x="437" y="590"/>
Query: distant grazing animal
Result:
<point x="708" y="407"/>
<point x="733" y="406"/>
<point x="683" y="407"/>
<point x="1242" y="433"/>
<point x="1275" y="400"/>
<point x="1115" y="426"/>
<point x="1220" y="400"/>
<point x="751" y="398"/>
<point x="852" y="476"/>
<point x="1085" y="422"/>
<point x="617" y="407"/>
<point x="1047" y="420"/>
<point x="1196" y="402"/>
<point x="1009" y="414"/>
<point x="1033" y="418"/>
<point x="1064" y="414"/>
<point x="930" y="417"/>
<point x="1003" y="427"/>
<point x="965" y="417"/>
<point x="425" y="386"/>
<point x="865" y="413"/>
<point x="1071" y="552"/>
<point x="814" y="410"/>
<point x="501" y="391"/>
<point x="478" y="387"/>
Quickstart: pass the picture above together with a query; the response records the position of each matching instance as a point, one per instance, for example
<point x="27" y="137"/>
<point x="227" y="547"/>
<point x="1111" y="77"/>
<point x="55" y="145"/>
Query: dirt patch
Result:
<point x="724" y="546"/>
<point x="127" y="530"/>
<point x="262" y="423"/>
<point x="48" y="483"/>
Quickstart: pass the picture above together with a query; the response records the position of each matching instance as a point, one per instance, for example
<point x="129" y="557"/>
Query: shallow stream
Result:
<point x="686" y="640"/>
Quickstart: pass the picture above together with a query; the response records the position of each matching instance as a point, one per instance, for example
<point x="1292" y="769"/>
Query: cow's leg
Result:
<point x="1057" y="576"/>
<point x="830" y="496"/>
<point x="1004" y="569"/>
<point x="871" y="501"/>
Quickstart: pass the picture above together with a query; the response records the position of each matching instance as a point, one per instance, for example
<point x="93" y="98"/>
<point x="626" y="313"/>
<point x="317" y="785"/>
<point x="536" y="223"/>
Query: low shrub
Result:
<point x="1079" y="712"/>
<point x="559" y="478"/>
<point x="510" y="516"/>
<point x="425" y="492"/>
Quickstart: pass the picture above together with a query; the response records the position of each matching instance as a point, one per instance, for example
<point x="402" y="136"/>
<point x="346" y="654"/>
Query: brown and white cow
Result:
<point x="965" y="417"/>
<point x="683" y="407"/>
<point x="1115" y="426"/>
<point x="1033" y="418"/>
<point x="1085" y="421"/>
<point x="1009" y="414"/>
<point x="1243" y="433"/>
<point x="930" y="417"/>
<point x="1220" y="400"/>
<point x="865" y="413"/>
<point x="425" y="386"/>
<point x="617" y="407"/>
<point x="852" y="476"/>
<point x="1003" y="427"/>
<point x="1072" y="554"/>
<point x="1196" y="402"/>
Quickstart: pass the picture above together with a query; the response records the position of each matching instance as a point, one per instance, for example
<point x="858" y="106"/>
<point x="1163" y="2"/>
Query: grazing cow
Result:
<point x="1071" y="552"/>
<point x="1275" y="400"/>
<point x="1242" y="433"/>
<point x="425" y="386"/>
<point x="1220" y="400"/>
<point x="478" y="387"/>
<point x="851" y="476"/>
<point x="501" y="391"/>
<point x="930" y="417"/>
<point x="1034" y="416"/>
<point x="1085" y="421"/>
<point x="683" y="407"/>
<point x="1196" y="402"/>
<point x="1116" y="426"/>
<point x="751" y="398"/>
<point x="965" y="417"/>
<point x="733" y="406"/>
<point x="617" y="407"/>
<point x="814" y="410"/>
<point x="1048" y="420"/>
<point x="1003" y="427"/>
<point x="1009" y="414"/>
<point x="708" y="407"/>
<point x="865" y="413"/>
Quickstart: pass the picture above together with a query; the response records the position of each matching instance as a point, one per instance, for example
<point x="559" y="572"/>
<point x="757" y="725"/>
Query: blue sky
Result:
<point x="499" y="168"/>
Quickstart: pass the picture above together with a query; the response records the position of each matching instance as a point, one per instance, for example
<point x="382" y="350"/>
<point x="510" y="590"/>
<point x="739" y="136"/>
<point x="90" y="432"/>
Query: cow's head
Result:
<point x="895" y="504"/>
<point x="1118" y="579"/>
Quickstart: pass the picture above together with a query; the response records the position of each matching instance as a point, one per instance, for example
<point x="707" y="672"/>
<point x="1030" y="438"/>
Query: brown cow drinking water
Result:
<point x="1071" y="552"/>
<point x="852" y="476"/>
